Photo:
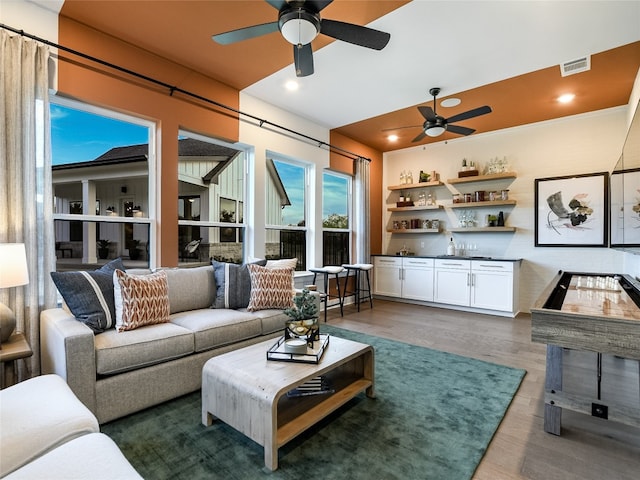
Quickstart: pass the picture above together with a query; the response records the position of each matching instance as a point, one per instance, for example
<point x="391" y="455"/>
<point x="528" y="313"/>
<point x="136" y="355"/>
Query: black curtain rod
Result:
<point x="173" y="89"/>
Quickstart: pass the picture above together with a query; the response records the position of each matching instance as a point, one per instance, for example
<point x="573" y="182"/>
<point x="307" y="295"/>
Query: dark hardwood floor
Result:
<point x="589" y="448"/>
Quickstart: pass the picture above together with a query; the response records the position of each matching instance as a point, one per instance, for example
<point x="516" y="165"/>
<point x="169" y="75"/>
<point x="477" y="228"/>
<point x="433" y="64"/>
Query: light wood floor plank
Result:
<point x="589" y="448"/>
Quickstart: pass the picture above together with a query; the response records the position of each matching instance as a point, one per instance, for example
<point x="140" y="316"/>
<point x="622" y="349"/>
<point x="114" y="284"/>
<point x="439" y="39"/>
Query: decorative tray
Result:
<point x="313" y="355"/>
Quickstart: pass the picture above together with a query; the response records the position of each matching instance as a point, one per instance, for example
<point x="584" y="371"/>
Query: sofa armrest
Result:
<point x="67" y="349"/>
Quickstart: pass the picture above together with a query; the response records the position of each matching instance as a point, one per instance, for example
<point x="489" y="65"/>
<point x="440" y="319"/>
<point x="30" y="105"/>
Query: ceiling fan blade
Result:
<point x="476" y="112"/>
<point x="428" y="113"/>
<point x="419" y="137"/>
<point x="318" y="5"/>
<point x="277" y="4"/>
<point x="356" y="34"/>
<point x="400" y="128"/>
<point x="303" y="59"/>
<point x="245" y="33"/>
<point x="459" y="129"/>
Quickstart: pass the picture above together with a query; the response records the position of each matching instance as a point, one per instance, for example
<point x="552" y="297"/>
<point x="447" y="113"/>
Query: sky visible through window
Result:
<point x="79" y="136"/>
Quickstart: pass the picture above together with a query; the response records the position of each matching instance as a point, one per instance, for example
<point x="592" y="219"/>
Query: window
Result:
<point x="336" y="218"/>
<point x="286" y="215"/>
<point x="211" y="192"/>
<point x="102" y="164"/>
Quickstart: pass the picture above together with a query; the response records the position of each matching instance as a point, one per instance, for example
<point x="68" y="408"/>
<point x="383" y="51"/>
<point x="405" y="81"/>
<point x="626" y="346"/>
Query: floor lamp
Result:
<point x="13" y="273"/>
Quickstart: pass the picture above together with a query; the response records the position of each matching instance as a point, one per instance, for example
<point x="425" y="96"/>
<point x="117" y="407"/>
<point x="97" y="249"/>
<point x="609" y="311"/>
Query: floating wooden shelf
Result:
<point x="407" y="186"/>
<point x="482" y="229"/>
<point x="482" y="178"/>
<point x="414" y="230"/>
<point x="415" y="208"/>
<point x="482" y="204"/>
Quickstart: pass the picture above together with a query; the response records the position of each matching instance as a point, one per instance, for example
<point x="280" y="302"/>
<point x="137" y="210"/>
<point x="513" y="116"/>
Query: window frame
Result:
<point x="239" y="226"/>
<point x="308" y="169"/>
<point x="152" y="189"/>
<point x="349" y="229"/>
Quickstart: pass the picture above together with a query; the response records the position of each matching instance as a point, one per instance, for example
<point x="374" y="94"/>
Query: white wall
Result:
<point x="586" y="143"/>
<point x="269" y="139"/>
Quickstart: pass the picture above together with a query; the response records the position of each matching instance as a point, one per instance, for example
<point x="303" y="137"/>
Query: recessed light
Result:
<point x="450" y="102"/>
<point x="566" y="98"/>
<point x="291" y="85"/>
<point x="392" y="138"/>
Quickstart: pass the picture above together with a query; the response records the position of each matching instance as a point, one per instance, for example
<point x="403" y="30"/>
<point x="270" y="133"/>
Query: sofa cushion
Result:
<point x="39" y="415"/>
<point x="118" y="352"/>
<point x="190" y="288"/>
<point x="140" y="299"/>
<point x="217" y="327"/>
<point x="271" y="320"/>
<point x="93" y="456"/>
<point x="270" y="288"/>
<point x="233" y="284"/>
<point x="89" y="295"/>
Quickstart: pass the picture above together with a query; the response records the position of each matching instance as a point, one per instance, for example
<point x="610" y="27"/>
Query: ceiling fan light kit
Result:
<point x="299" y="27"/>
<point x="300" y="23"/>
<point x="435" y="125"/>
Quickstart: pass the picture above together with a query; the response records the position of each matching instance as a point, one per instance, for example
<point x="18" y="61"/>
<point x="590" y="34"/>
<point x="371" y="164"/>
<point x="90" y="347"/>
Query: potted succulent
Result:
<point x="303" y="315"/>
<point x="103" y="248"/>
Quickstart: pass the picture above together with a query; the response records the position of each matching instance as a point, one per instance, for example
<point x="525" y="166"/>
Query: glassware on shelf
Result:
<point x="409" y="177"/>
<point x="430" y="200"/>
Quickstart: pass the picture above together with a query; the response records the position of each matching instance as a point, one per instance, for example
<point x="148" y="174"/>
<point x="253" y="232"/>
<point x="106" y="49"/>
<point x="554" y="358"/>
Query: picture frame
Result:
<point x="572" y="210"/>
<point x="625" y="208"/>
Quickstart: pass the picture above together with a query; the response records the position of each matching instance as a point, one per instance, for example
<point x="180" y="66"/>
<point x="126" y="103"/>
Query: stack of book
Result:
<point x="316" y="386"/>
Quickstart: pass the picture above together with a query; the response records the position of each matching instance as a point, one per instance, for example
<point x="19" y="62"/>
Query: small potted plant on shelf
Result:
<point x="303" y="315"/>
<point x="103" y="248"/>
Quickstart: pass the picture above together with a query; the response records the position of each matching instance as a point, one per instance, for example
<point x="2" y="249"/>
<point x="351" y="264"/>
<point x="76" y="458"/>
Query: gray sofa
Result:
<point x="118" y="373"/>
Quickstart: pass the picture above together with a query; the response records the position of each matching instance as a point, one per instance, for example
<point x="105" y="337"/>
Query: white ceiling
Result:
<point x="455" y="45"/>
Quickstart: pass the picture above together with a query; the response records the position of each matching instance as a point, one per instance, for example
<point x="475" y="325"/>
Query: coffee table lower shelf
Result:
<point x="248" y="392"/>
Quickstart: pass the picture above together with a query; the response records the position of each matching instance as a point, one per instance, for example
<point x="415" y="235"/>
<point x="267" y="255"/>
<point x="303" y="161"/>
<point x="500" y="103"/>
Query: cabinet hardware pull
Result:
<point x="468" y="280"/>
<point x="492" y="266"/>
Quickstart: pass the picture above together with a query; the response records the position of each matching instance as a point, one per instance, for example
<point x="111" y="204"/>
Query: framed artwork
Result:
<point x="625" y="208"/>
<point x="572" y="211"/>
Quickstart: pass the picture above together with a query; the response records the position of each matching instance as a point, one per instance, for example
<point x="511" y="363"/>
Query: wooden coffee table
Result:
<point x="248" y="392"/>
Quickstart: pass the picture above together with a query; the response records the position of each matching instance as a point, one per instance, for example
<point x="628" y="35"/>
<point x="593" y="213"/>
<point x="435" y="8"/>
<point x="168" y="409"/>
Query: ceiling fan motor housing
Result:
<point x="298" y="26"/>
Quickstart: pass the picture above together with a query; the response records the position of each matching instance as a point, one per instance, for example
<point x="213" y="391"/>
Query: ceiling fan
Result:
<point x="299" y="23"/>
<point x="435" y="125"/>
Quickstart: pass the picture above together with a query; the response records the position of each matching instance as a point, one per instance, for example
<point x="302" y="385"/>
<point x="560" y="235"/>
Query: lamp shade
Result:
<point x="13" y="265"/>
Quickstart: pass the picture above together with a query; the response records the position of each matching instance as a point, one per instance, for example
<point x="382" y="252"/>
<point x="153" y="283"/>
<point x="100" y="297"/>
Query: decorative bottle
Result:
<point x="451" y="248"/>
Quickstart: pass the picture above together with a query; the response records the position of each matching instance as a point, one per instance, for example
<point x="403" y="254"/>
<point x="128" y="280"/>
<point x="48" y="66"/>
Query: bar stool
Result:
<point x="360" y="292"/>
<point x="326" y="295"/>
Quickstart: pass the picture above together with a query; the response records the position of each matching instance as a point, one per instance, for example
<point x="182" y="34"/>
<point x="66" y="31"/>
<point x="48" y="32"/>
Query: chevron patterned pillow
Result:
<point x="271" y="288"/>
<point x="140" y="299"/>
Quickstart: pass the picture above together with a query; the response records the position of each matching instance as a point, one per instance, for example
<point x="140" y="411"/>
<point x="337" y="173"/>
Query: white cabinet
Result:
<point x="482" y="284"/>
<point x="492" y="285"/>
<point x="404" y="277"/>
<point x="387" y="276"/>
<point x="417" y="278"/>
<point x="452" y="281"/>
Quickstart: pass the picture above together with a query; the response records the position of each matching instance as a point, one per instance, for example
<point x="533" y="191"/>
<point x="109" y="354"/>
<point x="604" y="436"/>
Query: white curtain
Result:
<point x="25" y="185"/>
<point x="362" y="212"/>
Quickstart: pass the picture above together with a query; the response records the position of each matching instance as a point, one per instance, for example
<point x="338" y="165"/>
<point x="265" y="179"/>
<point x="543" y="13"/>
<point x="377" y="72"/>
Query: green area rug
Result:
<point x="433" y="418"/>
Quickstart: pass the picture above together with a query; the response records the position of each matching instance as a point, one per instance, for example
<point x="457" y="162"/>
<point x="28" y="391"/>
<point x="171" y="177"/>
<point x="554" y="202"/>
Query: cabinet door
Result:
<point x="452" y="286"/>
<point x="492" y="290"/>
<point x="387" y="276"/>
<point x="417" y="279"/>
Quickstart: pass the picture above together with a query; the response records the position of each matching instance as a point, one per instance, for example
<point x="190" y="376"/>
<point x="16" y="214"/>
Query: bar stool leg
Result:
<point x="339" y="295"/>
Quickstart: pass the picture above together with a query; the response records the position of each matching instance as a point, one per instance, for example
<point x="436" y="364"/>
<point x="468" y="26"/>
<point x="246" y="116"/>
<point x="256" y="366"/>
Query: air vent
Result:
<point x="576" y="66"/>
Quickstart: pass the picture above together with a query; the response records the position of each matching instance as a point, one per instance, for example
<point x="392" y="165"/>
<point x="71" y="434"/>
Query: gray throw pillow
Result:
<point x="233" y="284"/>
<point x="89" y="295"/>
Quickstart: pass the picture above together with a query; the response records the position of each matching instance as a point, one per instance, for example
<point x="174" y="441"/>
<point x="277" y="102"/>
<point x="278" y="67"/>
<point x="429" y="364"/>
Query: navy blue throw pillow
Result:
<point x="89" y="295"/>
